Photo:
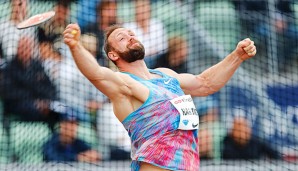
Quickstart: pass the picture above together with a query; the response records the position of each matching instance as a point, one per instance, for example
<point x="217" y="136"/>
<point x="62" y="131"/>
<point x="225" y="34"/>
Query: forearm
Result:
<point x="51" y="155"/>
<point x="86" y="63"/>
<point x="214" y="78"/>
<point x="218" y="75"/>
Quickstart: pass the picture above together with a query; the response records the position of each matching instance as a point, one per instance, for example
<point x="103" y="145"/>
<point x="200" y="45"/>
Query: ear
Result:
<point x="113" y="56"/>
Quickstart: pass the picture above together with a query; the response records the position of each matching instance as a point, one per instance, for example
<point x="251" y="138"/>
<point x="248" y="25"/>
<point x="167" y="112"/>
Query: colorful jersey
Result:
<point x="153" y="129"/>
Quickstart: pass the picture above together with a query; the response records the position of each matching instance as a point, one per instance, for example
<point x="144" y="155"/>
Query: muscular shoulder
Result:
<point x="130" y="87"/>
<point x="127" y="80"/>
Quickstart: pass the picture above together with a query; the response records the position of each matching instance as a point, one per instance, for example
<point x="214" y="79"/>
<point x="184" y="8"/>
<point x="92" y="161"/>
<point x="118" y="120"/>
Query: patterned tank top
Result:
<point x="153" y="129"/>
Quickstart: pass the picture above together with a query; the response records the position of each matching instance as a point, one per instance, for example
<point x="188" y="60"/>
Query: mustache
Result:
<point x="133" y="41"/>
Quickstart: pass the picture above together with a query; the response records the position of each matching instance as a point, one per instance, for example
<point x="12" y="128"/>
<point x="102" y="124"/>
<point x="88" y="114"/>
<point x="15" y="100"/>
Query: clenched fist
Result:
<point x="246" y="49"/>
<point x="72" y="35"/>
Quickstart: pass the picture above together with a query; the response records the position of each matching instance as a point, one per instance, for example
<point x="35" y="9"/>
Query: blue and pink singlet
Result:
<point x="153" y="129"/>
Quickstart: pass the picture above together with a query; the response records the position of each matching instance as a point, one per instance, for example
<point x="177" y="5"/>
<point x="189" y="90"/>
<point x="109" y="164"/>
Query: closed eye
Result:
<point x="131" y="33"/>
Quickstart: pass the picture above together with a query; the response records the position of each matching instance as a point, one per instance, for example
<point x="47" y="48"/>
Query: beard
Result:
<point x="133" y="53"/>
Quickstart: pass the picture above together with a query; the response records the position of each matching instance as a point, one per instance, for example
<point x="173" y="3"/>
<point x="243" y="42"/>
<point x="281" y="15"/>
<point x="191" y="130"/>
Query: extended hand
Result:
<point x="90" y="156"/>
<point x="71" y="35"/>
<point x="246" y="49"/>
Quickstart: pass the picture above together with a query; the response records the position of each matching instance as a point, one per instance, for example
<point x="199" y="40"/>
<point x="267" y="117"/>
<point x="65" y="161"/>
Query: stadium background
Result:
<point x="259" y="90"/>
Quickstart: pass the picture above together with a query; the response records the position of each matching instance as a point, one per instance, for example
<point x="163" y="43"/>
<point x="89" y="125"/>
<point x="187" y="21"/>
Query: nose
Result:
<point x="132" y="39"/>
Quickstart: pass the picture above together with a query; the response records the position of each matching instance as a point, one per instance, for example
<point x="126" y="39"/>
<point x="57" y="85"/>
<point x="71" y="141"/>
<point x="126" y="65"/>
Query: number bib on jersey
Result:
<point x="189" y="118"/>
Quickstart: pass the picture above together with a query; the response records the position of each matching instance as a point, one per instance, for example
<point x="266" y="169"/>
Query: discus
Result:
<point x="36" y="20"/>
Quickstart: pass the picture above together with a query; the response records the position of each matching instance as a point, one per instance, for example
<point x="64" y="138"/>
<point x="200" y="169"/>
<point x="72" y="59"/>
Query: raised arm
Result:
<point x="107" y="81"/>
<point x="215" y="77"/>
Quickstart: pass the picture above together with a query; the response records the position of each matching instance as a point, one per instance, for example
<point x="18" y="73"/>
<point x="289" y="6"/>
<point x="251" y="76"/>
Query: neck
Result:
<point x="15" y="18"/>
<point x="65" y="140"/>
<point x="137" y="68"/>
<point x="144" y="24"/>
<point x="103" y="26"/>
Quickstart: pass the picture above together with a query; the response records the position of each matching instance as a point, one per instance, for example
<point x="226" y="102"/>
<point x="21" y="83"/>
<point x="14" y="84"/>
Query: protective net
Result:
<point x="53" y="118"/>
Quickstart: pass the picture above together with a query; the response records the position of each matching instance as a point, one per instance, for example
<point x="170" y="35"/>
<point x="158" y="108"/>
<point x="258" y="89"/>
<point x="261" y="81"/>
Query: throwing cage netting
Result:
<point x="250" y="124"/>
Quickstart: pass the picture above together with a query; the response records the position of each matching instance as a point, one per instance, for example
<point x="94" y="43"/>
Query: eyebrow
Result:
<point x="131" y="32"/>
<point x="119" y="34"/>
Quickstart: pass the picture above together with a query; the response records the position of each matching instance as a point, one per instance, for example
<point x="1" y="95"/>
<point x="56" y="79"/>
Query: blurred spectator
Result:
<point x="241" y="144"/>
<point x="86" y="12"/>
<point x="89" y="41"/>
<point x="1" y="51"/>
<point x="52" y="30"/>
<point x="2" y="64"/>
<point x="64" y="146"/>
<point x="26" y="89"/>
<point x="114" y="140"/>
<point x="255" y="19"/>
<point x="176" y="57"/>
<point x="106" y="15"/>
<point x="150" y="31"/>
<point x="74" y="90"/>
<point x="287" y="32"/>
<point x="211" y="131"/>
<point x="9" y="34"/>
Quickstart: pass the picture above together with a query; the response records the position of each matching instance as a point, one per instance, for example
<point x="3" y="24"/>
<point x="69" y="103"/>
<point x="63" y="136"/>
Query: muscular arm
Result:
<point x="215" y="77"/>
<point x="107" y="81"/>
<point x="212" y="79"/>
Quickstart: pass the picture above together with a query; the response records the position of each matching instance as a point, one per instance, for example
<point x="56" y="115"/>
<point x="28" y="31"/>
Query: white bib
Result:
<point x="189" y="118"/>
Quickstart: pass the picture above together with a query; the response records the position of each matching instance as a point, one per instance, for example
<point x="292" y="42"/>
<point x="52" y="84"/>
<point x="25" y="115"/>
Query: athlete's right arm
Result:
<point x="107" y="81"/>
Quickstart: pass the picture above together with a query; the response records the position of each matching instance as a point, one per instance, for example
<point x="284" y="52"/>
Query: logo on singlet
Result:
<point x="185" y="122"/>
<point x="167" y="81"/>
<point x="194" y="125"/>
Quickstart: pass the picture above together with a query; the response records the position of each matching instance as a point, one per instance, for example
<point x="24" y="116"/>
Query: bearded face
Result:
<point x="135" y="51"/>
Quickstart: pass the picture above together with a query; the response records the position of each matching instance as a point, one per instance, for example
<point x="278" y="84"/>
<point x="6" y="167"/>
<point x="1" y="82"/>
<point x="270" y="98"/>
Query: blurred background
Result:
<point x="52" y="118"/>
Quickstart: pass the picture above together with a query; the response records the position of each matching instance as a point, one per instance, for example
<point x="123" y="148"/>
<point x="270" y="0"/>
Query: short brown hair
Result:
<point x="108" y="32"/>
<point x="102" y="5"/>
<point x="64" y="3"/>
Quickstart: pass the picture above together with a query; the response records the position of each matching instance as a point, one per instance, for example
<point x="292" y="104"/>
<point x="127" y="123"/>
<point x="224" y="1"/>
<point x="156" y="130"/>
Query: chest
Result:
<point x="168" y="87"/>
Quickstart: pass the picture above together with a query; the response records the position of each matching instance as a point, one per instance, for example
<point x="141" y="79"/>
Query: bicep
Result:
<point x="195" y="85"/>
<point x="109" y="83"/>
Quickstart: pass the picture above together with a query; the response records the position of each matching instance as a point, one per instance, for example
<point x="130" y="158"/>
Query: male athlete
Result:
<point x="154" y="105"/>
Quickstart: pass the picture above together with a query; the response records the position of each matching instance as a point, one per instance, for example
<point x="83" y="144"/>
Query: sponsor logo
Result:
<point x="167" y="81"/>
<point x="183" y="100"/>
<point x="195" y="125"/>
<point x="185" y="122"/>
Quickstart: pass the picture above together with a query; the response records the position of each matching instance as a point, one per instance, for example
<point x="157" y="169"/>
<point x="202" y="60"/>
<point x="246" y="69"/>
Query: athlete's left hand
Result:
<point x="246" y="49"/>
